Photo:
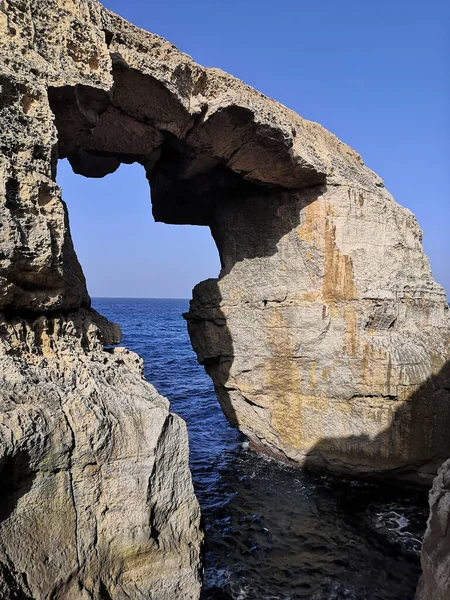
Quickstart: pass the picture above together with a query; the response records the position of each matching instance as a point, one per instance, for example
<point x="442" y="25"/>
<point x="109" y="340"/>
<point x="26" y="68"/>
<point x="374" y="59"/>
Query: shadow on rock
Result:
<point x="16" y="479"/>
<point x="417" y="457"/>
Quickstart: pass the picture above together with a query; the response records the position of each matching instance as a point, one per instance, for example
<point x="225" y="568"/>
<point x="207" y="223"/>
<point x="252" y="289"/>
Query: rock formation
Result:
<point x="325" y="334"/>
<point x="96" y="493"/>
<point x="435" y="580"/>
<point x="96" y="499"/>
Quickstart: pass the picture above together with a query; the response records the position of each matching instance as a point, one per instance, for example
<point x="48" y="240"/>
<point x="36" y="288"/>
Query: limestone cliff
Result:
<point x="96" y="493"/>
<point x="325" y="334"/>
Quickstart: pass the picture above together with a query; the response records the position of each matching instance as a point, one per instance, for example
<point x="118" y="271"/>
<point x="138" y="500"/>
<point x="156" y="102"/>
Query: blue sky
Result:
<point x="374" y="72"/>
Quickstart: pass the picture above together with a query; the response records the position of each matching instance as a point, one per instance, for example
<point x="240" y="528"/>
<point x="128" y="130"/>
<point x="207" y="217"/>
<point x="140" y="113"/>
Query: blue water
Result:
<point x="272" y="532"/>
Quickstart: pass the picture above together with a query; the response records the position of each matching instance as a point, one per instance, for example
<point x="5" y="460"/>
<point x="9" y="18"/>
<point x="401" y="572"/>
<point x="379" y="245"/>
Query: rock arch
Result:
<point x="323" y="324"/>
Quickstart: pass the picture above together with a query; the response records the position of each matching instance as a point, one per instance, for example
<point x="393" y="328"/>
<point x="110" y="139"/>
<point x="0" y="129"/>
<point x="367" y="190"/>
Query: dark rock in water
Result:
<point x="435" y="581"/>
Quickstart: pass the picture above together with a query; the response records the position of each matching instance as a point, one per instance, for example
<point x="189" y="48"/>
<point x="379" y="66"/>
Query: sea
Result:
<point x="273" y="532"/>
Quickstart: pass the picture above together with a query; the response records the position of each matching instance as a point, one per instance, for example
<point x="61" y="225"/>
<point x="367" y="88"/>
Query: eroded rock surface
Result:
<point x="96" y="492"/>
<point x="325" y="334"/>
<point x="435" y="580"/>
<point x="325" y="323"/>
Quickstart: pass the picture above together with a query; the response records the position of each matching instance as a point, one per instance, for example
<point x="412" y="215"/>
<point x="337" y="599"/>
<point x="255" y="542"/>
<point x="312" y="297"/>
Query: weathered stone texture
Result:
<point x="326" y="335"/>
<point x="435" y="580"/>
<point x="96" y="493"/>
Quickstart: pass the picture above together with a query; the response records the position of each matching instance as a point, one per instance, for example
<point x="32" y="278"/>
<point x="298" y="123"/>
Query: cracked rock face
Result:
<point x="325" y="334"/>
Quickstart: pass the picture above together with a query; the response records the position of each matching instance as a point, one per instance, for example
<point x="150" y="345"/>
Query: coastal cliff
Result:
<point x="325" y="335"/>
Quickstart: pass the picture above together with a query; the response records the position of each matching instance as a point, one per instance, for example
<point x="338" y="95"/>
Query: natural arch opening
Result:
<point x="198" y="167"/>
<point x="292" y="242"/>
<point x="123" y="251"/>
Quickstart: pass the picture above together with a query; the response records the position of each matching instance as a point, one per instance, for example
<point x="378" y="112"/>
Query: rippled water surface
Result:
<point x="272" y="532"/>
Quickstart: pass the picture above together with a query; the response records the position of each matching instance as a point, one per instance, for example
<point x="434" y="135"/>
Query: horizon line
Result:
<point x="138" y="298"/>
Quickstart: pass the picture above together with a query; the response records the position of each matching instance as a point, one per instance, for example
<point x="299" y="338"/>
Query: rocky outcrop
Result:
<point x="325" y="334"/>
<point x="96" y="499"/>
<point x="435" y="581"/>
<point x="96" y="493"/>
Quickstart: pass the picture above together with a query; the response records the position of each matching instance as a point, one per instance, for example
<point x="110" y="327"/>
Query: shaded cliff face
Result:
<point x="435" y="580"/>
<point x="325" y="334"/>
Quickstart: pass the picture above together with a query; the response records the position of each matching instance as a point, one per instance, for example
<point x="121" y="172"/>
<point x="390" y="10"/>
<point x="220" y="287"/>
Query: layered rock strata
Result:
<point x="325" y="334"/>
